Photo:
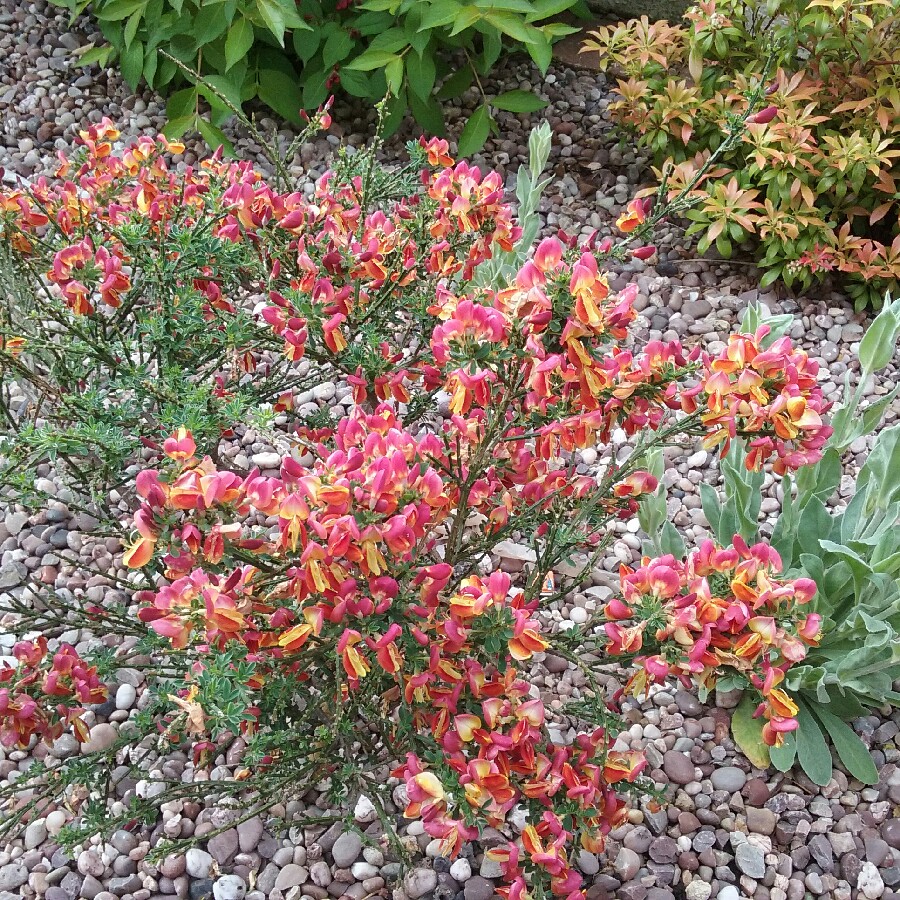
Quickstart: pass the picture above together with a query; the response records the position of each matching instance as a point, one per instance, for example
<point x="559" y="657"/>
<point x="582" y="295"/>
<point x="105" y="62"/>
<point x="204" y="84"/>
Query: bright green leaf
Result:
<point x="213" y="136"/>
<point x="420" y="74"/>
<point x="119" y="9"/>
<point x="182" y="104"/>
<point x="283" y="93"/>
<point x="273" y="16"/>
<point x="337" y="48"/>
<point x="518" y="101"/>
<point x="541" y="52"/>
<point x="132" y="64"/>
<point x="131" y="27"/>
<point x="475" y="132"/>
<point x="175" y="128"/>
<point x="393" y="73"/>
<point x="439" y="14"/>
<point x="239" y="41"/>
<point x="372" y="59"/>
<point x="99" y="55"/>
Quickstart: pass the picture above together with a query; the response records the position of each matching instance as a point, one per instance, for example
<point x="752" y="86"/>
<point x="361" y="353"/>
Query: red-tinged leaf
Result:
<point x="879" y="212"/>
<point x="715" y="230"/>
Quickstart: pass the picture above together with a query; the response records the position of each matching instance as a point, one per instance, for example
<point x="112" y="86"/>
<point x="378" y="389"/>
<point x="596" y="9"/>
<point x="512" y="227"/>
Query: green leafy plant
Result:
<point x="853" y="556"/>
<point x="291" y="54"/>
<point x="813" y="181"/>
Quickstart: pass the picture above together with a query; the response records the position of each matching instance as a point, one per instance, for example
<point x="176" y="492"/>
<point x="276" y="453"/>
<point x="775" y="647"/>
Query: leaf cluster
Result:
<point x="814" y="187"/>
<point x="292" y="55"/>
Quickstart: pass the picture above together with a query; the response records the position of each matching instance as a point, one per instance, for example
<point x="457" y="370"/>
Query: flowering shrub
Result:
<point x="118" y="259"/>
<point x="720" y="609"/>
<point x="62" y="678"/>
<point x="813" y="179"/>
<point x="345" y="612"/>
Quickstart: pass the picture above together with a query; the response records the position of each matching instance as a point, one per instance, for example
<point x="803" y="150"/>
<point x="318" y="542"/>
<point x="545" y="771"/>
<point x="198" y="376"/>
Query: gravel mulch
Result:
<point x="729" y="830"/>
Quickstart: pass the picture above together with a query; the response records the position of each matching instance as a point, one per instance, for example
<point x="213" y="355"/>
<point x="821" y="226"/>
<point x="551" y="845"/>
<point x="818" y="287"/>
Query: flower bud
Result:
<point x="764" y="116"/>
<point x="644" y="252"/>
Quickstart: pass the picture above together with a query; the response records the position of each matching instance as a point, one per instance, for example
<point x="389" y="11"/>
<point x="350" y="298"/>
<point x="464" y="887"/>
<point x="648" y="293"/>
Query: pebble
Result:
<point x="678" y="767"/>
<point x="870" y="882"/>
<point x="728" y="778"/>
<point x="890" y="831"/>
<point x="698" y="890"/>
<point x="229" y="887"/>
<point x="35" y="834"/>
<point x="126" y="694"/>
<point x="12" y="875"/>
<point x="750" y="860"/>
<point x="673" y="736"/>
<point x="760" y="821"/>
<point x="101" y="737"/>
<point x="198" y="863"/>
<point x="461" y="870"/>
<point x="419" y="882"/>
<point x="346" y="849"/>
<point x="478" y="888"/>
<point x="627" y="864"/>
<point x="266" y="460"/>
<point x="290" y="876"/>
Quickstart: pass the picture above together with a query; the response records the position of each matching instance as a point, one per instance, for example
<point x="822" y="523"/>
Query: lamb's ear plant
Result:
<point x="530" y="187"/>
<point x="852" y="554"/>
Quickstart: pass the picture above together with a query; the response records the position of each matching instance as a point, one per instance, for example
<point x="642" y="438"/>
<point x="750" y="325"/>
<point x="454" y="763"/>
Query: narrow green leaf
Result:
<point x="175" y="128"/>
<point x="119" y="9"/>
<point x="273" y="17"/>
<point x="428" y="113"/>
<point x="747" y="732"/>
<point x="357" y="84"/>
<point x="372" y="59"/>
<point x="851" y="750"/>
<point x="439" y="14"/>
<point x="518" y="101"/>
<point x="315" y="90"/>
<point x="458" y="83"/>
<point x="99" y="55"/>
<point x="239" y="41"/>
<point x="132" y="64"/>
<point x="543" y="9"/>
<point x="182" y="104"/>
<point x="213" y="136"/>
<point x="393" y="73"/>
<point x="420" y="74"/>
<point x="337" y="47"/>
<point x="475" y="132"/>
<point x="812" y="750"/>
<point x="465" y="18"/>
<point x="540" y="51"/>
<point x="131" y="26"/>
<point x="283" y="93"/>
<point x="879" y="343"/>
